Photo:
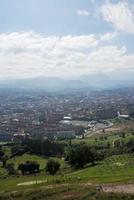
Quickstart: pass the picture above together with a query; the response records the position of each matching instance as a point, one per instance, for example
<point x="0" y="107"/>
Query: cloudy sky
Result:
<point x="66" y="38"/>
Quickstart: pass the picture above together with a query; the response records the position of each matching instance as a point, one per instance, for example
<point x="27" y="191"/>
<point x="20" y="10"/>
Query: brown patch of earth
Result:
<point x="69" y="196"/>
<point x="126" y="188"/>
<point x="113" y="129"/>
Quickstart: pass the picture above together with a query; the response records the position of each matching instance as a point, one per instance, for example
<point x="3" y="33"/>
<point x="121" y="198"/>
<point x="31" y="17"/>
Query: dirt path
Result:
<point x="108" y="188"/>
<point x="124" y="188"/>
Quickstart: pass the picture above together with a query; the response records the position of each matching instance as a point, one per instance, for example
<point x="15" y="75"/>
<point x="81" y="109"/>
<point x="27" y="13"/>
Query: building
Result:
<point x="122" y="116"/>
<point x="4" y="137"/>
<point x="67" y="120"/>
<point x="20" y="136"/>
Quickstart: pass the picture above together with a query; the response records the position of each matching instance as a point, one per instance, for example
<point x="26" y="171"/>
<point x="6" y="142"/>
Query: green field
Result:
<point x="112" y="170"/>
<point x="26" y="157"/>
<point x="69" y="183"/>
<point x="101" y="139"/>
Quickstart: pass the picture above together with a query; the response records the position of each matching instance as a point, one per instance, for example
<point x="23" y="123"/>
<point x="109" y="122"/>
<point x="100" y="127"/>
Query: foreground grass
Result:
<point x="112" y="170"/>
<point x="66" y="191"/>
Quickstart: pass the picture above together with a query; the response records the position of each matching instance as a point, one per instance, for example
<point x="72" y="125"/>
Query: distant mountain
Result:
<point x="46" y="83"/>
<point x="96" y="80"/>
<point x="109" y="81"/>
<point x="92" y="81"/>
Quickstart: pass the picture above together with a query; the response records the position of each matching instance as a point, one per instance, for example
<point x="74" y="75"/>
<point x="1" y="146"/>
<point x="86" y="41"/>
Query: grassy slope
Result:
<point x="114" y="169"/>
<point x="104" y="172"/>
<point x="26" y="157"/>
<point x="96" y="139"/>
<point x="10" y="182"/>
<point x="41" y="160"/>
<point x="69" y="192"/>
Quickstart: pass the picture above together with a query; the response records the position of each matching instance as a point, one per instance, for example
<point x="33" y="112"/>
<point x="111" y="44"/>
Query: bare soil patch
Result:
<point x="126" y="188"/>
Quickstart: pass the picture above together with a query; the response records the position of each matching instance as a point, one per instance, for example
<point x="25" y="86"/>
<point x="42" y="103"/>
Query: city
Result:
<point x="67" y="100"/>
<point x="39" y="115"/>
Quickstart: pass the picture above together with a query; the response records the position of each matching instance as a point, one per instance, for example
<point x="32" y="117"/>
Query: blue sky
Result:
<point x="66" y="37"/>
<point x="51" y="17"/>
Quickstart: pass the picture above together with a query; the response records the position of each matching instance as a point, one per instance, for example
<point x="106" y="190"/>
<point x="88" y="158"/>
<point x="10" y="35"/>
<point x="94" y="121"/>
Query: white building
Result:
<point x="67" y="120"/>
<point x="122" y="116"/>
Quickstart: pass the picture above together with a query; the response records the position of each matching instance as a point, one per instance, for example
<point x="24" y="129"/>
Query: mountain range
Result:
<point x="94" y="81"/>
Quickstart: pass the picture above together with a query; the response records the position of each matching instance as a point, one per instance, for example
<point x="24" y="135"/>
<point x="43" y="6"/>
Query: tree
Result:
<point x="4" y="160"/>
<point x="79" y="130"/>
<point x="11" y="169"/>
<point x="22" y="168"/>
<point x="30" y="167"/>
<point x="80" y="155"/>
<point x="132" y="113"/>
<point x="1" y="154"/>
<point x="19" y="150"/>
<point x="52" y="166"/>
<point x="129" y="146"/>
<point x="44" y="147"/>
<point x="33" y="167"/>
<point x="122" y="134"/>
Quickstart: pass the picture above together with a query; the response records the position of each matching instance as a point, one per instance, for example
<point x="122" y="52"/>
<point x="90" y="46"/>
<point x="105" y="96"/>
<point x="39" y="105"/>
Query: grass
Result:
<point x="96" y="139"/>
<point x="114" y="169"/>
<point x="3" y="172"/>
<point x="7" y="150"/>
<point x="29" y="157"/>
<point x="10" y="182"/>
<point x="69" y="184"/>
<point x="69" y="192"/>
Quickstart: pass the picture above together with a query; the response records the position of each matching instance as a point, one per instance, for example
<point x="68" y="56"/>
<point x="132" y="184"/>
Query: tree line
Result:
<point x="44" y="147"/>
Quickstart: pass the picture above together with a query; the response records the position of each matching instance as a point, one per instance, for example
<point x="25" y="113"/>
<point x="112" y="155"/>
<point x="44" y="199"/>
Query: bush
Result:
<point x="52" y="166"/>
<point x="11" y="169"/>
<point x="30" y="167"/>
<point x="18" y="150"/>
<point x="1" y="154"/>
<point x="80" y="155"/>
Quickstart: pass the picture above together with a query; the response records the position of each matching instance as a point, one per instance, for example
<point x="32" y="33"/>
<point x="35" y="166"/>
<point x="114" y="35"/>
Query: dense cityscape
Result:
<point x="40" y="114"/>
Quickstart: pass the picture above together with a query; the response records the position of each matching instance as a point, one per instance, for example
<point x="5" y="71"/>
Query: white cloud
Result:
<point x="83" y="13"/>
<point x="108" y="57"/>
<point x="121" y="15"/>
<point x="28" y="54"/>
<point x="109" y="36"/>
<point x="83" y="41"/>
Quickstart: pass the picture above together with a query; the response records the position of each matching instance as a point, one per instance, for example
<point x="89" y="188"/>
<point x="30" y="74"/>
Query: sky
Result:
<point x="66" y="38"/>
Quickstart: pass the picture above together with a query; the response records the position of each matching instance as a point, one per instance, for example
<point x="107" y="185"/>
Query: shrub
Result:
<point x="52" y="166"/>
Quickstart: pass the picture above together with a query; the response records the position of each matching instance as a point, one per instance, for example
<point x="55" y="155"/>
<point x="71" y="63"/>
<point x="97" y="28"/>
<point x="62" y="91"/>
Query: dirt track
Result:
<point x="126" y="188"/>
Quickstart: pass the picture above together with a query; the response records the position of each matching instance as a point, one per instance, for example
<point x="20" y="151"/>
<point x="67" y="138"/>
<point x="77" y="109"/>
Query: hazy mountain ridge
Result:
<point x="95" y="81"/>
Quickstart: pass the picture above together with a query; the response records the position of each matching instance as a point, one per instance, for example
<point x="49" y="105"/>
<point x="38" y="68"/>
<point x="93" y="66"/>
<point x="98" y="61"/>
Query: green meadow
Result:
<point x="69" y="183"/>
<point x="114" y="169"/>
